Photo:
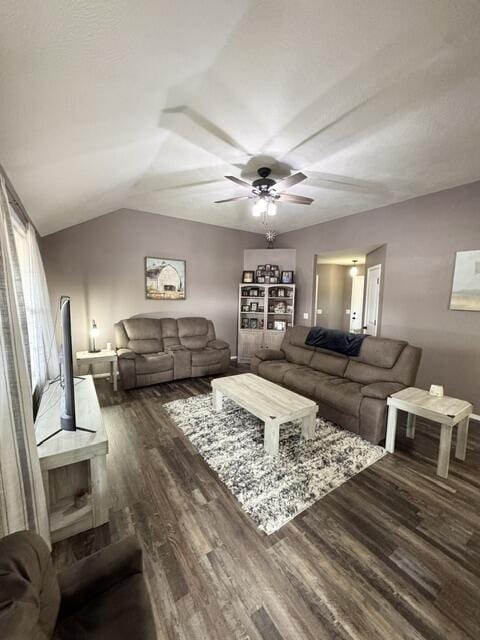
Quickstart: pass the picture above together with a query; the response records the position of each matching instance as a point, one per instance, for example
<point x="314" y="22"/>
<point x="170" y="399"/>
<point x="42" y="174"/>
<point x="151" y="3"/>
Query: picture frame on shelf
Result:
<point x="261" y="279"/>
<point x="270" y="326"/>
<point x="281" y="293"/>
<point x="261" y="267"/>
<point x="273" y="280"/>
<point x="245" y="308"/>
<point x="287" y="277"/>
<point x="248" y="276"/>
<point x="245" y="323"/>
<point x="279" y="325"/>
<point x="254" y="306"/>
<point x="261" y="323"/>
<point x="253" y="292"/>
<point x="253" y="323"/>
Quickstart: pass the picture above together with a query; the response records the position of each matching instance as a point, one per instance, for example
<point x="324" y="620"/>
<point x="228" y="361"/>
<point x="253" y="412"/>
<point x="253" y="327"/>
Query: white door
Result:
<point x="356" y="305"/>
<point x="372" y="299"/>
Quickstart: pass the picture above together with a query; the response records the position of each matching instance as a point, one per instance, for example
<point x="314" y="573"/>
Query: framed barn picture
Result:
<point x="165" y="279"/>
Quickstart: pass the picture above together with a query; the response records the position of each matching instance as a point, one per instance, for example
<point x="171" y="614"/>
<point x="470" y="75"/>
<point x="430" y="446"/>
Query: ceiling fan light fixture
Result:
<point x="272" y="208"/>
<point x="260" y="207"/>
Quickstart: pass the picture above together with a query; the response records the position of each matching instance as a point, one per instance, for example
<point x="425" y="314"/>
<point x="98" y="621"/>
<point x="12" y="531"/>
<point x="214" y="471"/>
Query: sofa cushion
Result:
<point x="153" y="362"/>
<point x="380" y="352"/>
<point x="303" y="380"/>
<point x="341" y="394"/>
<point x="328" y="363"/>
<point x="145" y="346"/>
<point x="202" y="357"/>
<point x="275" y="370"/>
<point x="193" y="332"/>
<point x="143" y="328"/>
<point x="29" y="593"/>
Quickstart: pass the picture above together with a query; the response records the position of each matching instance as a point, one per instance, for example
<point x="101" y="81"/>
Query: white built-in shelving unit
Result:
<point x="268" y="310"/>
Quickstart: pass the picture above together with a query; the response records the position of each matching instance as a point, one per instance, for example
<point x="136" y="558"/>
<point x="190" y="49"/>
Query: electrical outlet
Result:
<point x="305" y="316"/>
<point x="319" y="312"/>
<point x="347" y="311"/>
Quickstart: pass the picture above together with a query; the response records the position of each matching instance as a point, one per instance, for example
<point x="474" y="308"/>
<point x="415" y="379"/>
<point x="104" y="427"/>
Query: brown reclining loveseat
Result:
<point x="154" y="350"/>
<point x="350" y="391"/>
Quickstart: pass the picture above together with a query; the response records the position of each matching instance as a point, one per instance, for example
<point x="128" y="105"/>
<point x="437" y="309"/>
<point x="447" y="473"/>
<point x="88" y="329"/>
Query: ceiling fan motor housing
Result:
<point x="264" y="183"/>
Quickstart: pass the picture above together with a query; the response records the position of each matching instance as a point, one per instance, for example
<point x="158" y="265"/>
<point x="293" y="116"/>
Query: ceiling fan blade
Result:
<point x="242" y="183"/>
<point x="287" y="197"/>
<point x="231" y="199"/>
<point x="289" y="181"/>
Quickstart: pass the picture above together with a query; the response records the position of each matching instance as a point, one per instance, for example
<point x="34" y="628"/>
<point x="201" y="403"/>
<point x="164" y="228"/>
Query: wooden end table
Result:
<point x="105" y="355"/>
<point x="449" y="412"/>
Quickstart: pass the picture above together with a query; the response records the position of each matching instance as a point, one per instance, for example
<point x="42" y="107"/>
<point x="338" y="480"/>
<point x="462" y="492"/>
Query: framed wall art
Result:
<point x="165" y="279"/>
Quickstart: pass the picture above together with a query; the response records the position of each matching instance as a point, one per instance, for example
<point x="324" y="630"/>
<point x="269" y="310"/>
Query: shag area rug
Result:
<point x="271" y="490"/>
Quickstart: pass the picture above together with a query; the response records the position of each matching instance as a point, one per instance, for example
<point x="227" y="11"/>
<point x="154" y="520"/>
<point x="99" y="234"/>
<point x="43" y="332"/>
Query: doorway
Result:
<point x="339" y="294"/>
<point x="348" y="289"/>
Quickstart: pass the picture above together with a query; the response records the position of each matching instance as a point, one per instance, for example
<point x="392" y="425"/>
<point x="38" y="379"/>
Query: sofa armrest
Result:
<point x="81" y="582"/>
<point x="218" y="344"/>
<point x="270" y="354"/>
<point x="126" y="354"/>
<point x="381" y="390"/>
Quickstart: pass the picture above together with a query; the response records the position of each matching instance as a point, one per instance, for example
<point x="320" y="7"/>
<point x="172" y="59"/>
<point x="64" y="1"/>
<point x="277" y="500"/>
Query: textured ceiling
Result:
<point x="147" y="104"/>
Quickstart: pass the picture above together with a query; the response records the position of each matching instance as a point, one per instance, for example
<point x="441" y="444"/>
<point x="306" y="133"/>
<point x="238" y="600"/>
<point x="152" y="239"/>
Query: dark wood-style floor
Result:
<point x="392" y="554"/>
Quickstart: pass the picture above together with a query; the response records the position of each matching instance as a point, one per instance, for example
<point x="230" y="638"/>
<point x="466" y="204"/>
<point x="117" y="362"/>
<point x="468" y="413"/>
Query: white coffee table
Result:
<point x="268" y="401"/>
<point x="105" y="355"/>
<point x="447" y="411"/>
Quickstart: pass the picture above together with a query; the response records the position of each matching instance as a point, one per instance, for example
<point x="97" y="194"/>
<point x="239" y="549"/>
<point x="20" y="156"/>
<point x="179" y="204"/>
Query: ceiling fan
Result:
<point x="266" y="192"/>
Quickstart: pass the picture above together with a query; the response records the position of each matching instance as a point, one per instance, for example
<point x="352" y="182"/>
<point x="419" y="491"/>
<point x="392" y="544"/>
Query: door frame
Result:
<point x="369" y="271"/>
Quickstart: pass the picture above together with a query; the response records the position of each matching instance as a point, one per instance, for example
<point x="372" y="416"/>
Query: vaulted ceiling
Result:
<point x="147" y="104"/>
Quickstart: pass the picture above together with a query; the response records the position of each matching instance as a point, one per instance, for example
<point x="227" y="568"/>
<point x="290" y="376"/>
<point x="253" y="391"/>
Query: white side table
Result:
<point x="449" y="412"/>
<point x="105" y="355"/>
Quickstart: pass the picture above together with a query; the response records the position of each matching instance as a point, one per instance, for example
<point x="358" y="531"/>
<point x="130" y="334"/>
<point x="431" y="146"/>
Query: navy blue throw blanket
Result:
<point x="349" y="344"/>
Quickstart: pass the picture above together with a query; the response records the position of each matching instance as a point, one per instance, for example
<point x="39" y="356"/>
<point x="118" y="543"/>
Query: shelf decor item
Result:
<point x="164" y="279"/>
<point x="279" y="325"/>
<point x="287" y="277"/>
<point x="254" y="306"/>
<point x="248" y="276"/>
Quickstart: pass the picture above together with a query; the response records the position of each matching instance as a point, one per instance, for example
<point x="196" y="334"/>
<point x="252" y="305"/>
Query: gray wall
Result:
<point x="100" y="264"/>
<point x="422" y="236"/>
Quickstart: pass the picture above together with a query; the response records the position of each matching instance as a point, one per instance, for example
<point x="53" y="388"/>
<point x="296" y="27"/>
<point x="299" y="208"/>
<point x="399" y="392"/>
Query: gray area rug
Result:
<point x="271" y="490"/>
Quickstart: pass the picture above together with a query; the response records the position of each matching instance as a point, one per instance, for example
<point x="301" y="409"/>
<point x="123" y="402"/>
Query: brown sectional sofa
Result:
<point x="350" y="391"/>
<point x="154" y="350"/>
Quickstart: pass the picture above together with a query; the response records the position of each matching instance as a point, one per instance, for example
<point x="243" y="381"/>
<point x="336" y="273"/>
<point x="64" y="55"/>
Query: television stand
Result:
<point x="74" y="462"/>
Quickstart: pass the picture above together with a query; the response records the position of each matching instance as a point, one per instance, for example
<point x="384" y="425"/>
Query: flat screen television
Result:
<point x="68" y="420"/>
<point x="67" y="383"/>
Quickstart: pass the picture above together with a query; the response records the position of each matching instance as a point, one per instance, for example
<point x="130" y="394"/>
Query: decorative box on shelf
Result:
<point x="265" y="311"/>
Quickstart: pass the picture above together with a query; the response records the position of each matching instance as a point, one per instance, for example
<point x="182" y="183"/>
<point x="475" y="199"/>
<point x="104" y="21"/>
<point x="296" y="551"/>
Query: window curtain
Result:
<point x="22" y="497"/>
<point x="43" y="351"/>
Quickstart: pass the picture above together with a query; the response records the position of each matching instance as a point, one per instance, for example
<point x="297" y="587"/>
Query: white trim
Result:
<point x="474" y="416"/>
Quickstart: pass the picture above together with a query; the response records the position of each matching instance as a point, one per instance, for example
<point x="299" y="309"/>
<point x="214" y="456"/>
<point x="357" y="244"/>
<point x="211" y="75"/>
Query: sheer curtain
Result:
<point x="43" y="352"/>
<point x="22" y="497"/>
